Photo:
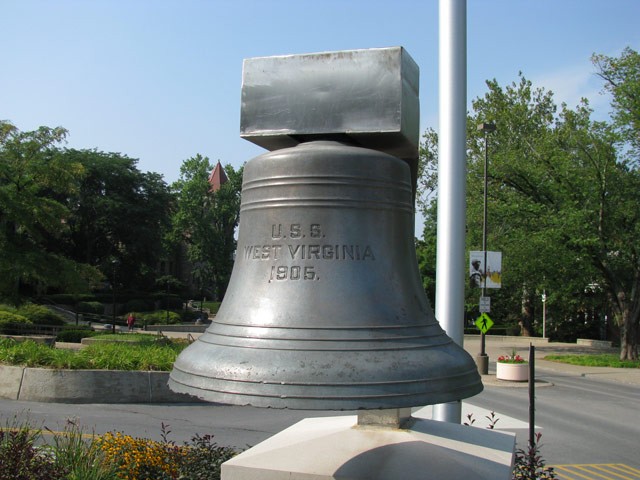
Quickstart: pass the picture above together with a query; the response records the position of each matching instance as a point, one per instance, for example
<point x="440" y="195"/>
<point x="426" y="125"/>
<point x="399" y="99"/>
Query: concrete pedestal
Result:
<point x="337" y="448"/>
<point x="482" y="361"/>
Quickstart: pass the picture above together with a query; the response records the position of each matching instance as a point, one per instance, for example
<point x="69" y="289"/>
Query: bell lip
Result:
<point x="331" y="404"/>
<point x="331" y="395"/>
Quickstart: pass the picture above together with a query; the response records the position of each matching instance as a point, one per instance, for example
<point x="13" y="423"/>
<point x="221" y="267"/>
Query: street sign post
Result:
<point x="484" y="323"/>
<point x="485" y="304"/>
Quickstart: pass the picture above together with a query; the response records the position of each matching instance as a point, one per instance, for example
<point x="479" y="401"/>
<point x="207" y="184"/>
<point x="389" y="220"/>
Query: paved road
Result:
<point x="587" y="416"/>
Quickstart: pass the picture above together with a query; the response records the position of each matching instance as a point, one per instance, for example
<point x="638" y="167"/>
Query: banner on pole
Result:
<point x="479" y="273"/>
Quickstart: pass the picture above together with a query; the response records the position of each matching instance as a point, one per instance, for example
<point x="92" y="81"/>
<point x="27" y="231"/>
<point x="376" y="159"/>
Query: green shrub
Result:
<point x="74" y="335"/>
<point x="7" y="308"/>
<point x="80" y="456"/>
<point x="158" y="318"/>
<point x="135" y="457"/>
<point x="204" y="458"/>
<point x="12" y="323"/>
<point x="40" y="315"/>
<point x="75" y="455"/>
<point x="21" y="459"/>
<point x="189" y="315"/>
<point x="6" y="317"/>
<point x="71" y="326"/>
<point x="96" y="308"/>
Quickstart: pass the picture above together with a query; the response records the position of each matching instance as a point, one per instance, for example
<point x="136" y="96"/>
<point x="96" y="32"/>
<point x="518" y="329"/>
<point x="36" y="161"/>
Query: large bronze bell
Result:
<point x="325" y="308"/>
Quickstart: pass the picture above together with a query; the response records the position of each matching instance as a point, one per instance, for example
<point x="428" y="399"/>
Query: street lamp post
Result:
<point x="482" y="360"/>
<point x="113" y="291"/>
<point x="544" y="314"/>
<point x="166" y="304"/>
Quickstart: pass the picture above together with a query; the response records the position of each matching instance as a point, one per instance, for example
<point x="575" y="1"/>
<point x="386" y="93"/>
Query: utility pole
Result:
<point x="482" y="360"/>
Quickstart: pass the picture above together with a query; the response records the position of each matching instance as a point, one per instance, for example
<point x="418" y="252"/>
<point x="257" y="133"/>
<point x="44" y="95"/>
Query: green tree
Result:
<point x="427" y="172"/>
<point x="562" y="209"/>
<point x="205" y="220"/>
<point x="426" y="252"/>
<point x="543" y="169"/>
<point x="118" y="217"/>
<point x="621" y="76"/>
<point x="34" y="177"/>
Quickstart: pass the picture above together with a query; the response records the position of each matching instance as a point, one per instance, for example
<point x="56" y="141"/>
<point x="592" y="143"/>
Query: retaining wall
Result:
<point x="87" y="386"/>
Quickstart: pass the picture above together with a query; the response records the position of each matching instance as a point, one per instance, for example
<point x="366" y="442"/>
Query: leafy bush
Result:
<point x="74" y="335"/>
<point x="81" y="458"/>
<point x="200" y="459"/>
<point x="140" y="457"/>
<point x="9" y="317"/>
<point x="40" y="315"/>
<point x="529" y="464"/>
<point x="74" y="455"/>
<point x="12" y="323"/>
<point x="96" y="308"/>
<point x="204" y="458"/>
<point x="159" y="318"/>
<point x="21" y="459"/>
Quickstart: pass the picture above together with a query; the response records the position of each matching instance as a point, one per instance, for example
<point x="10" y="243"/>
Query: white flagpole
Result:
<point x="450" y="262"/>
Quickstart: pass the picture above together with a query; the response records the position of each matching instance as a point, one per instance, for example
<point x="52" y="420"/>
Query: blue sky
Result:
<point x="160" y="80"/>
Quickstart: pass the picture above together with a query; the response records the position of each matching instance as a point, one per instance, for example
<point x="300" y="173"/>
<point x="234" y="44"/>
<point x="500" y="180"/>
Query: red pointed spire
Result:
<point x="217" y="177"/>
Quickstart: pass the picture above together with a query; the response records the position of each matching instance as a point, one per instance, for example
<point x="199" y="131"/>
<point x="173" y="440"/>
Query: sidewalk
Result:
<point x="494" y="349"/>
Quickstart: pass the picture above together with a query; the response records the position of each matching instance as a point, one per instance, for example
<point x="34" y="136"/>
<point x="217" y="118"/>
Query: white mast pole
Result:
<point x="450" y="262"/>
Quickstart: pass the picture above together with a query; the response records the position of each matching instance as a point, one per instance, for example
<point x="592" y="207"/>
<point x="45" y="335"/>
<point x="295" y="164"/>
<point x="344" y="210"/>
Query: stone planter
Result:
<point x="513" y="372"/>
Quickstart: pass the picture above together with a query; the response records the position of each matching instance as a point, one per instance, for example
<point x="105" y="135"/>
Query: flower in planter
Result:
<point x="513" y="358"/>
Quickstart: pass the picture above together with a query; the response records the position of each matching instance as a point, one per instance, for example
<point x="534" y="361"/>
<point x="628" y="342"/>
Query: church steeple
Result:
<point x="217" y="177"/>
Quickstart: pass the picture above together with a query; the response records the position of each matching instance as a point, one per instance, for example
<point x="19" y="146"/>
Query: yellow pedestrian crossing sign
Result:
<point x="484" y="323"/>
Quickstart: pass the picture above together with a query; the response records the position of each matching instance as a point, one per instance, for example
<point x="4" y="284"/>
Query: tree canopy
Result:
<point x="118" y="216"/>
<point x="205" y="220"/>
<point x="563" y="202"/>
<point x="35" y="180"/>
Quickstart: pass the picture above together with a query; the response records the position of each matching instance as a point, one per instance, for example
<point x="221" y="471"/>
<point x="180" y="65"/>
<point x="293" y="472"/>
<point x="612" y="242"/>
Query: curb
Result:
<point x="87" y="386"/>
<point x="490" y="380"/>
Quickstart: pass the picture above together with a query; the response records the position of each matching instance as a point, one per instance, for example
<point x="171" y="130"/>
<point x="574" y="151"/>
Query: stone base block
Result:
<point x="335" y="448"/>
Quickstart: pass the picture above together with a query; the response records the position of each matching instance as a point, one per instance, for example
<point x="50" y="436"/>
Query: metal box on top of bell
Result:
<point x="325" y="308"/>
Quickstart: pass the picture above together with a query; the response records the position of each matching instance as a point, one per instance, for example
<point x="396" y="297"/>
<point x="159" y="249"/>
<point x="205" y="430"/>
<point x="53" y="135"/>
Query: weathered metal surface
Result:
<point x="325" y="308"/>
<point x="369" y="97"/>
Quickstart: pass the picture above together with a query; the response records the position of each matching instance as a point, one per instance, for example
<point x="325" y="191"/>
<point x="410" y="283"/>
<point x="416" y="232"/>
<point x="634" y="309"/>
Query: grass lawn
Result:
<point x="603" y="360"/>
<point x="146" y="354"/>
